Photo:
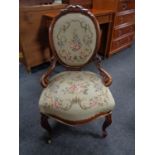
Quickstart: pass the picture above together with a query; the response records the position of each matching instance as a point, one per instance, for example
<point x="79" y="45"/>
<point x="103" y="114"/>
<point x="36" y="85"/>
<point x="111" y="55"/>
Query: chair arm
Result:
<point x="44" y="79"/>
<point x="106" y="77"/>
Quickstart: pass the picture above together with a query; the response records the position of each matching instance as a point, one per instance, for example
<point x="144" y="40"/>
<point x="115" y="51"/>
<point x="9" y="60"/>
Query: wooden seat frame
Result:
<point x="106" y="78"/>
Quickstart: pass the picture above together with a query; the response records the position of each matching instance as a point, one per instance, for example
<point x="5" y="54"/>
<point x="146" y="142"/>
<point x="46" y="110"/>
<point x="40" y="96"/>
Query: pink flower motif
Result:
<point x="57" y="78"/>
<point x="93" y="103"/>
<point x="56" y="104"/>
<point x="75" y="46"/>
<point x="75" y="88"/>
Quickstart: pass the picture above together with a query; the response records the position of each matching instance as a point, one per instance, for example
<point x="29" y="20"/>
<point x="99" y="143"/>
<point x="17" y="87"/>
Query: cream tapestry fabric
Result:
<point x="74" y="37"/>
<point x="76" y="95"/>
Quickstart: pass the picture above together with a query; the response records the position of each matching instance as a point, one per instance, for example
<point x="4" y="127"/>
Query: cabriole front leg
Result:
<point x="107" y="122"/>
<point x="46" y="126"/>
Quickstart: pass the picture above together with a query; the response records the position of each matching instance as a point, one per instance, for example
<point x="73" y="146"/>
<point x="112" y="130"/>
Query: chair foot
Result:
<point x="49" y="141"/>
<point x="44" y="123"/>
<point x="107" y="122"/>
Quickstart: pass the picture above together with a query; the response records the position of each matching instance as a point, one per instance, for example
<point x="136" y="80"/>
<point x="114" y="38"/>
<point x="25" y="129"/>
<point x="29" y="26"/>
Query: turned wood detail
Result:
<point x="106" y="77"/>
<point x="45" y="76"/>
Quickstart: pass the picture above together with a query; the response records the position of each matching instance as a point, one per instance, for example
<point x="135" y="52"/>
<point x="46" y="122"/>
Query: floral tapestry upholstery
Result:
<point x="74" y="37"/>
<point x="76" y="95"/>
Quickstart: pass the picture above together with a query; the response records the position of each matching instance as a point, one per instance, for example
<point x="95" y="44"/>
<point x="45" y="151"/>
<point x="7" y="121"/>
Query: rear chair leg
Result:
<point x="107" y="122"/>
<point x="44" y="123"/>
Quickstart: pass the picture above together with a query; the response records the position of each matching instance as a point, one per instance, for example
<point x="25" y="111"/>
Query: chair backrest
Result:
<point x="74" y="36"/>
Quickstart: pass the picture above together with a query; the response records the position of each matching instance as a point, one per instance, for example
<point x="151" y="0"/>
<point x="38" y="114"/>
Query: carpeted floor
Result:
<point x="85" y="139"/>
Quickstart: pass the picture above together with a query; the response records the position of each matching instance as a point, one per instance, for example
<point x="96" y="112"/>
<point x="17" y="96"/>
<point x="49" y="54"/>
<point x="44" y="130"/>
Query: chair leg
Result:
<point x="44" y="123"/>
<point x="107" y="122"/>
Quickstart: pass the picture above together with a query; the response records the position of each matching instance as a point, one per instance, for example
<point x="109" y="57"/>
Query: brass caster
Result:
<point x="49" y="141"/>
<point x="104" y="134"/>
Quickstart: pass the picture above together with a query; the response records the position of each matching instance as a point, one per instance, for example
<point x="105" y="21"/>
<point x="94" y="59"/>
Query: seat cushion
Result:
<point x="76" y="95"/>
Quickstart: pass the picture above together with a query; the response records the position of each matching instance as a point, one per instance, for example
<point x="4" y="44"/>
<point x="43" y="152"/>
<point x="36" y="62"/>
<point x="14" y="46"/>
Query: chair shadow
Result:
<point x="58" y="129"/>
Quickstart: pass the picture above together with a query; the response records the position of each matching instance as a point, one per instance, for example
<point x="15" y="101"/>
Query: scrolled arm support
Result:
<point x="106" y="77"/>
<point x="44" y="79"/>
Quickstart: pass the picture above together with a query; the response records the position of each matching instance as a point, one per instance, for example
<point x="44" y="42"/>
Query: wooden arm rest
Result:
<point x="106" y="77"/>
<point x="44" y="79"/>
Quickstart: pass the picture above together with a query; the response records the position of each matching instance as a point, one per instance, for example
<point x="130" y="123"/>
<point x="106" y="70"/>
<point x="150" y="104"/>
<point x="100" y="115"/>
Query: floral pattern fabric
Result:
<point x="74" y="38"/>
<point x="76" y="95"/>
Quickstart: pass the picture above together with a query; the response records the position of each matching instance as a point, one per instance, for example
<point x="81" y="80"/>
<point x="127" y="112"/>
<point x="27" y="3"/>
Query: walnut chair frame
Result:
<point x="106" y="78"/>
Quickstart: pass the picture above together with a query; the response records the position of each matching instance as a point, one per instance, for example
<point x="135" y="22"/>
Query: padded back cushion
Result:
<point x="74" y="39"/>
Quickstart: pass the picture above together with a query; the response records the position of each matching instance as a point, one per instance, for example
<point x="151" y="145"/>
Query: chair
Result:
<point x="74" y="97"/>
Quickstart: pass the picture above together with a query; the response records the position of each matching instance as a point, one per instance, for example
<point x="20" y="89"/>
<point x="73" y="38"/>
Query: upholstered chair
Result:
<point x="74" y="97"/>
